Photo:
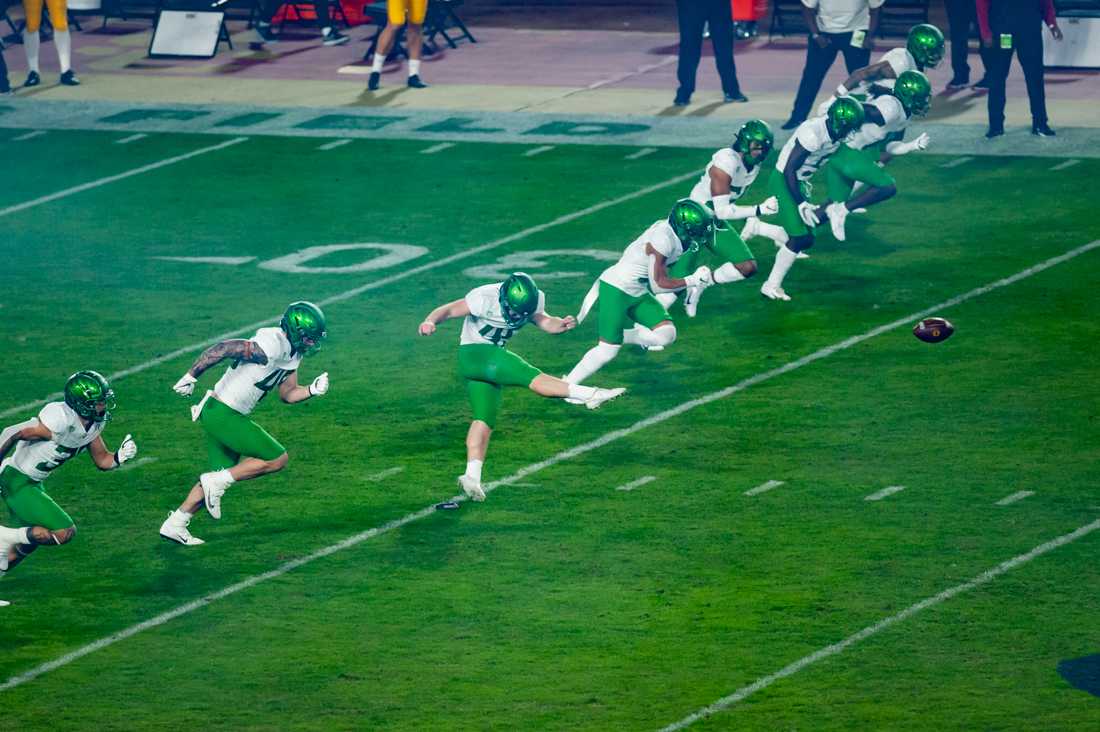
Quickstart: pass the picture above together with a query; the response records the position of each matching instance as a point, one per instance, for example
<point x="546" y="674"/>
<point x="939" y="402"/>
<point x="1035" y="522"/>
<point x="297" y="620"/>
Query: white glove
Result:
<point x="841" y="91"/>
<point x="921" y="143"/>
<point x="701" y="278"/>
<point x="126" y="451"/>
<point x="319" y="385"/>
<point x="904" y="148"/>
<point x="808" y="213"/>
<point x="768" y="207"/>
<point x="186" y="385"/>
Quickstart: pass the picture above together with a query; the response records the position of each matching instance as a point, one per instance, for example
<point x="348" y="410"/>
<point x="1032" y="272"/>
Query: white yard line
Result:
<point x="538" y="150"/>
<point x="957" y="162"/>
<point x="637" y="483"/>
<point x="137" y="463"/>
<point x="131" y="138"/>
<point x="764" y="487"/>
<point x="385" y="473"/>
<point x="641" y="153"/>
<point x="356" y="291"/>
<point x="437" y="148"/>
<point x="117" y="177"/>
<point x="1066" y="164"/>
<point x="28" y="136"/>
<point x="793" y="668"/>
<point x="887" y="491"/>
<point x="563" y="456"/>
<point x="1017" y="496"/>
<point x="334" y="144"/>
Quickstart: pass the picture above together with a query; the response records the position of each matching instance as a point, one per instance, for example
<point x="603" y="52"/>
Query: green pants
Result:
<point x="487" y="369"/>
<point x="231" y="435"/>
<point x="28" y="503"/>
<point x="728" y="247"/>
<point x="619" y="311"/>
<point x="788" y="210"/>
<point x="846" y="166"/>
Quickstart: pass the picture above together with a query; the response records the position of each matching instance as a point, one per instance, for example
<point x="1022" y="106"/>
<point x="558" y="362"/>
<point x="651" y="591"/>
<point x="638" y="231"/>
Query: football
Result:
<point x="933" y="330"/>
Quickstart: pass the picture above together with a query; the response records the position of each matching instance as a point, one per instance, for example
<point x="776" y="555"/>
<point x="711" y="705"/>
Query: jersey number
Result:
<point x="63" y="454"/>
<point x="272" y="380"/>
<point x="498" y="336"/>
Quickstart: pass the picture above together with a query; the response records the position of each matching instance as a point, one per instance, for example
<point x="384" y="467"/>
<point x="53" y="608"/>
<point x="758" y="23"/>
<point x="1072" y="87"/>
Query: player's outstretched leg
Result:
<point x="590" y="396"/>
<point x="17" y="544"/>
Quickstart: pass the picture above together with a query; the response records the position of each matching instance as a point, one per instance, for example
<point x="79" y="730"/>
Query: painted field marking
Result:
<point x="637" y="483"/>
<point x="538" y="150"/>
<point x="793" y="668"/>
<point x="641" y="153"/>
<point x="887" y="491"/>
<point x="28" y="135"/>
<point x="386" y="473"/>
<point x="576" y="451"/>
<point x="334" y="144"/>
<point x="957" y="162"/>
<point x="764" y="487"/>
<point x="437" y="148"/>
<point x="376" y="284"/>
<point x="119" y="176"/>
<point x="1017" y="496"/>
<point x="231" y="261"/>
<point x="131" y="138"/>
<point x="137" y="463"/>
<point x="1066" y="164"/>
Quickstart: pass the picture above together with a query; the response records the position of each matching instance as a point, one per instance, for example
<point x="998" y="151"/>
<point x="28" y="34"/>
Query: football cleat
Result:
<point x="213" y="488"/>
<point x="603" y="395"/>
<point x="471" y="487"/>
<point x="373" y="80"/>
<point x="174" y="531"/>
<point x="69" y="78"/>
<point x="691" y="301"/>
<point x="837" y="212"/>
<point x="774" y="292"/>
<point x="334" y="38"/>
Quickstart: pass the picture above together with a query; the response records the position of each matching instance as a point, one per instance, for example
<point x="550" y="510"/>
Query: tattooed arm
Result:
<point x="239" y="349"/>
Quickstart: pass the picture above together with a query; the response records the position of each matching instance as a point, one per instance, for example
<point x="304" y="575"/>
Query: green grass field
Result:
<point x="560" y="603"/>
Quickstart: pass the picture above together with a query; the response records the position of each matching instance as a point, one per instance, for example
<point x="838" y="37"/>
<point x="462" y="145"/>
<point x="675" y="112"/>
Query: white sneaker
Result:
<point x="603" y="395"/>
<point x="471" y="487"/>
<point x="837" y="212"/>
<point x="213" y="488"/>
<point x="4" y="603"/>
<point x="691" y="301"/>
<point x="173" y="531"/>
<point x="774" y="292"/>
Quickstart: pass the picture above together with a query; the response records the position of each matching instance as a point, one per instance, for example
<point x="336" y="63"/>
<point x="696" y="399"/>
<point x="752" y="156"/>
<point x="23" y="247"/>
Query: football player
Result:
<point x="238" y="448"/>
<point x="923" y="50"/>
<point x="492" y="315"/>
<point x="808" y="149"/>
<point x="59" y="432"/>
<point x="625" y="289"/>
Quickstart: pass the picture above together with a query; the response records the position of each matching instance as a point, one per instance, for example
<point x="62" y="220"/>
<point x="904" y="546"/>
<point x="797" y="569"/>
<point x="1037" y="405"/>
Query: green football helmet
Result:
<point x="88" y="394"/>
<point x="755" y="130"/>
<point x="519" y="299"/>
<point x="925" y="43"/>
<point x="693" y="223"/>
<point x="304" y="326"/>
<point x="914" y="91"/>
<point x="845" y="115"/>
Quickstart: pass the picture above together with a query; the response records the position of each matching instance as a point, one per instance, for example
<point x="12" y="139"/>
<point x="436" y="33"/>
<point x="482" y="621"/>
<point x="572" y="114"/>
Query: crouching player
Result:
<point x="238" y="448"/>
<point x="493" y="313"/>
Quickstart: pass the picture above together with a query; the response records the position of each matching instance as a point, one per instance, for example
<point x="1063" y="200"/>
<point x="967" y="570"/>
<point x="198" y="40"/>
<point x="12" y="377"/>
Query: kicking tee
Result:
<point x="631" y="273"/>
<point x="244" y="384"/>
<point x="485" y="323"/>
<point x="37" y="460"/>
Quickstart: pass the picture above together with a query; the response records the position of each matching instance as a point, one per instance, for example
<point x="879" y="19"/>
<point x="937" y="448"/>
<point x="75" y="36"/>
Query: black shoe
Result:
<point x="958" y="82"/>
<point x="415" y="82"/>
<point x="5" y="87"/>
<point x="334" y="38"/>
<point x="738" y="97"/>
<point x="69" y="78"/>
<point x="1041" y="129"/>
<point x="681" y="101"/>
<point x="372" y="81"/>
<point x="33" y="79"/>
<point x="791" y="124"/>
<point x="982" y="83"/>
<point x="264" y="34"/>
<point x="994" y="132"/>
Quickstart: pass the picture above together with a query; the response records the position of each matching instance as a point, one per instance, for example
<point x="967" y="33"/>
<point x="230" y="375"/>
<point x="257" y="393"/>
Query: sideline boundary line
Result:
<point x="20" y="679"/>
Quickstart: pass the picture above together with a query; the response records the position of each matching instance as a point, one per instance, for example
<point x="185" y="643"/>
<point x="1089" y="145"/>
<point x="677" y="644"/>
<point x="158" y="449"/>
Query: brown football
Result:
<point x="933" y="330"/>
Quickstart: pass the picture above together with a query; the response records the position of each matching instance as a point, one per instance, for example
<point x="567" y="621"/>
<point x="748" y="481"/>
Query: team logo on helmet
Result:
<point x="925" y="44"/>
<point x="519" y="299"/>
<point x="845" y="115"/>
<point x="88" y="394"/>
<point x="693" y="224"/>
<point x="303" y="324"/>
<point x="754" y="141"/>
<point x="914" y="91"/>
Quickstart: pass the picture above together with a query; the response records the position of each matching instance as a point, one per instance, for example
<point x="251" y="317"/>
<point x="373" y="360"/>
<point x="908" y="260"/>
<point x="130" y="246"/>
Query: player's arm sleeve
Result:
<point x="726" y="210"/>
<point x="541" y="307"/>
<point x="52" y="417"/>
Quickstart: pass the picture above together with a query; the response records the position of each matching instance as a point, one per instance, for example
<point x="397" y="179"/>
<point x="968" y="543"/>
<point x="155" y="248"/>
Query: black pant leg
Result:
<point x="960" y="15"/>
<point x="996" y="74"/>
<point x="720" y="21"/>
<point x="1029" y="52"/>
<point x="4" y="85"/>
<point x="854" y="58"/>
<point x="323" y="12"/>
<point x="691" y="18"/>
<point x="268" y="8"/>
<point x="818" y="61"/>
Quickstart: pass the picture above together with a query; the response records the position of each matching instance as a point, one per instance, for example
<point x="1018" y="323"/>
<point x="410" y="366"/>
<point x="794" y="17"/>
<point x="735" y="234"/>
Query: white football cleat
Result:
<point x="213" y="488"/>
<point x="4" y="603"/>
<point x="691" y="301"/>
<point x="603" y="395"/>
<point x="774" y="292"/>
<point x="471" y="487"/>
<point x="837" y="212"/>
<point x="174" y="531"/>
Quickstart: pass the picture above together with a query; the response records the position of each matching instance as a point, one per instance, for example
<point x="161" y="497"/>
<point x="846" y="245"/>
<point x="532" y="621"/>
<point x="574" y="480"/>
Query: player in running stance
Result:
<point x="625" y="289"/>
<point x="808" y="149"/>
<point x="238" y="448"/>
<point x="61" y="430"/>
<point x="923" y="50"/>
<point x="492" y="315"/>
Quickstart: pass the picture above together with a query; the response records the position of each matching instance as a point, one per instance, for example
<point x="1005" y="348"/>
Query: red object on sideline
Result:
<point x="353" y="9"/>
<point x="749" y="10"/>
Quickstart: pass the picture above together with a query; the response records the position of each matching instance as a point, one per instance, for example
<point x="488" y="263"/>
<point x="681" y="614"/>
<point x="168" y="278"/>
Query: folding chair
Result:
<point x="336" y="9"/>
<point x="441" y="16"/>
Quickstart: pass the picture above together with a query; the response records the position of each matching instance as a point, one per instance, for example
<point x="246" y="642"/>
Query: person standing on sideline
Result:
<point x="5" y="86"/>
<point x="718" y="16"/>
<point x="409" y="13"/>
<point x="836" y="26"/>
<point x="961" y="16"/>
<point x="62" y="38"/>
<point x="1016" y="25"/>
<point x="329" y="35"/>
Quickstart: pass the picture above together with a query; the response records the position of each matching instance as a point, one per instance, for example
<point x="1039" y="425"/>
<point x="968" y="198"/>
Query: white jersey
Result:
<point x="37" y="460"/>
<point x="870" y="133"/>
<point x="631" y="273"/>
<point x="729" y="162"/>
<point x="900" y="61"/>
<point x="485" y="323"/>
<point x="244" y="384"/>
<point x="813" y="136"/>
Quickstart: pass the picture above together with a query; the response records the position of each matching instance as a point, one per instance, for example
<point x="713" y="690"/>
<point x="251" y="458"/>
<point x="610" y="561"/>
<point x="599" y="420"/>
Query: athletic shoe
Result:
<point x="682" y="99"/>
<point x="691" y="301"/>
<point x="603" y="395"/>
<point x="373" y="79"/>
<point x="837" y="212"/>
<point x="173" y="531"/>
<point x="69" y="78"/>
<point x="6" y="90"/>
<point x="774" y="292"/>
<point x="791" y="124"/>
<point x="958" y="82"/>
<point x="265" y="34"/>
<point x="334" y="38"/>
<point x="4" y="603"/>
<point x="994" y="132"/>
<point x="982" y="83"/>
<point x="738" y="97"/>
<point x="1042" y="129"/>
<point x="33" y="79"/>
<point x="471" y="487"/>
<point x="213" y="489"/>
<point x="414" y="82"/>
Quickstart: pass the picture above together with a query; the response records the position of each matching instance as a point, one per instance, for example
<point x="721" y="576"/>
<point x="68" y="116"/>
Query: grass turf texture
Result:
<point x="568" y="604"/>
